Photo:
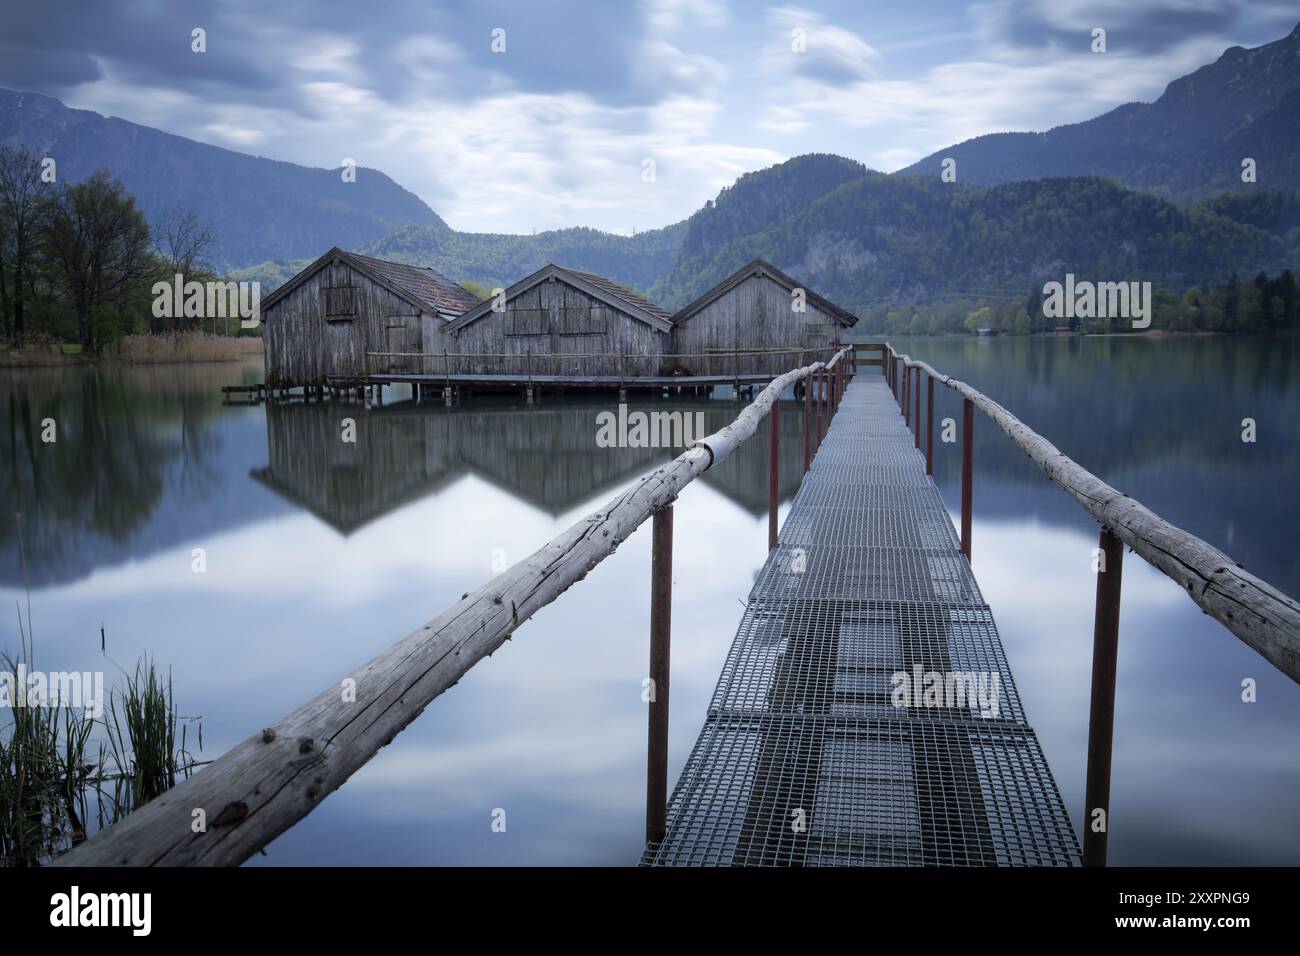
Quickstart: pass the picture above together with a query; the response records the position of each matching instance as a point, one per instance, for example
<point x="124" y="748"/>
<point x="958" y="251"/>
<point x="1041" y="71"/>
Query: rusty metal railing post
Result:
<point x="773" y="470"/>
<point x="826" y="401"/>
<point x="661" y="612"/>
<point x="826" y="404"/>
<point x="916" y="411"/>
<point x="929" y="425"/>
<point x="817" y="409"/>
<point x="967" y="471"/>
<point x="807" y="422"/>
<point x="1101" y="715"/>
<point x="902" y="392"/>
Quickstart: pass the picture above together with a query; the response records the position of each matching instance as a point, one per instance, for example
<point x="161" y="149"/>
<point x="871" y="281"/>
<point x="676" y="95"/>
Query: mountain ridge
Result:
<point x="1188" y="143"/>
<point x="314" y="207"/>
<point x="865" y="236"/>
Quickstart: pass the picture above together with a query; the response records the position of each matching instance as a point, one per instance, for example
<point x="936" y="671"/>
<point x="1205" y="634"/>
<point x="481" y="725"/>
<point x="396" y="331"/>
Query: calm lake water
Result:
<point x="320" y="554"/>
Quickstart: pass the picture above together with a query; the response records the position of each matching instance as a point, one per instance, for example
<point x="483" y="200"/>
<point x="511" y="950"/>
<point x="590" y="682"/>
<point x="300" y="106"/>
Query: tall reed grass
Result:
<point x="53" y="792"/>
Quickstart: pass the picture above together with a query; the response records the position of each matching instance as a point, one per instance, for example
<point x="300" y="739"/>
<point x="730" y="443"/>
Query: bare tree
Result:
<point x="5" y="256"/>
<point x="21" y="193"/>
<point x="182" y="240"/>
<point x="100" y="242"/>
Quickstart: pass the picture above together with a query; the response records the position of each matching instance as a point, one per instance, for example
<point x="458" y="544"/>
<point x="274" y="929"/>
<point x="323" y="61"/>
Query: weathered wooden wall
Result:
<point x="756" y="314"/>
<point x="554" y="317"/>
<point x="326" y="325"/>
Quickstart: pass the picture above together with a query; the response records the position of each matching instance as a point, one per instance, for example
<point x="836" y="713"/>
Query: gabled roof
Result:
<point x="760" y="267"/>
<point x="427" y="289"/>
<point x="598" y="287"/>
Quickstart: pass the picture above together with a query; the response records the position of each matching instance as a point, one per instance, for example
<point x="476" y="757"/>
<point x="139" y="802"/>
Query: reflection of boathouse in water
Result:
<point x="546" y="455"/>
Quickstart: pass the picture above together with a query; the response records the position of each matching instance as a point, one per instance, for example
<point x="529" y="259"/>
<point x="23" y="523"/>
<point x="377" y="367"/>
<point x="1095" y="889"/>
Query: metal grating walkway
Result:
<point x="804" y="759"/>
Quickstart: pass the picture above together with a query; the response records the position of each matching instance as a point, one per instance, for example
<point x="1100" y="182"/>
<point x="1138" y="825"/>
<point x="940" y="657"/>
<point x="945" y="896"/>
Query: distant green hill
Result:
<point x="492" y="260"/>
<point x="889" y="239"/>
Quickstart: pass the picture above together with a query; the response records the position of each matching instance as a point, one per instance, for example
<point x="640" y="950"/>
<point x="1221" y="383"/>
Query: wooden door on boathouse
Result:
<point x="401" y="343"/>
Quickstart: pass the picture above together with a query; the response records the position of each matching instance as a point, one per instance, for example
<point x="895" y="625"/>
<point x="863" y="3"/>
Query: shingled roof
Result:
<point x="629" y="296"/>
<point x="761" y="267"/>
<point x="427" y="289"/>
<point x="606" y="290"/>
<point x="430" y="285"/>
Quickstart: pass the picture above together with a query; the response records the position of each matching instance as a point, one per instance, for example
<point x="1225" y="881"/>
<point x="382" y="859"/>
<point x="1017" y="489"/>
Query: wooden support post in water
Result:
<point x="773" y="470"/>
<point x="1101" y="717"/>
<point x="661" y="612"/>
<point x="929" y="425"/>
<point x="807" y="424"/>
<point x="967" y="471"/>
<point x="916" y="413"/>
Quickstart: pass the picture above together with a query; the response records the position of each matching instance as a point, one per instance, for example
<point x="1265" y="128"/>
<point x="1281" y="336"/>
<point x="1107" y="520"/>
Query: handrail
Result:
<point x="270" y="781"/>
<point x="1264" y="618"/>
<point x="658" y="355"/>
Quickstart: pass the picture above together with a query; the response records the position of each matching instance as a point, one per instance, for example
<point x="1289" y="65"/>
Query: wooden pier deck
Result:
<point x="804" y="759"/>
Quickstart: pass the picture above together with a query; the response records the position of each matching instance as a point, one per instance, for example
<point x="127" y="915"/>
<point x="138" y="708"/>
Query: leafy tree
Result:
<point x="99" y="241"/>
<point x="21" y="193"/>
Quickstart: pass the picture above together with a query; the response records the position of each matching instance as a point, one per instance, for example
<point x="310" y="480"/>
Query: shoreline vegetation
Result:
<point x="70" y="766"/>
<point x="155" y="349"/>
<point x="196" y="348"/>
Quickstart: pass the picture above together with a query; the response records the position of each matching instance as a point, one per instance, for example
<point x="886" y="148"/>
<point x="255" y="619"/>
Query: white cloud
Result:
<point x="830" y="50"/>
<point x="1002" y="90"/>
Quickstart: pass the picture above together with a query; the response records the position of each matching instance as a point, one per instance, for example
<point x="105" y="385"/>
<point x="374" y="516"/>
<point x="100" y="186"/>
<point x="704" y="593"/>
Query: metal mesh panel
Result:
<point x="866" y="714"/>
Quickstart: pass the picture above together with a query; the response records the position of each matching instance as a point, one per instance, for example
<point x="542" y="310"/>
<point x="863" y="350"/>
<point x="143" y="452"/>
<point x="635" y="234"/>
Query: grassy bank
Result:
<point x="136" y="350"/>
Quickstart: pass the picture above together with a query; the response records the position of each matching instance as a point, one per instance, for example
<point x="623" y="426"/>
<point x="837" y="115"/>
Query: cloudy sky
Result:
<point x="556" y="129"/>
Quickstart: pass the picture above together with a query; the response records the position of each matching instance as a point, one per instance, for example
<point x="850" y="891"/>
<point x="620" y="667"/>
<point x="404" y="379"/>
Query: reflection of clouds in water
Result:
<point x="554" y="718"/>
<point x="1197" y="774"/>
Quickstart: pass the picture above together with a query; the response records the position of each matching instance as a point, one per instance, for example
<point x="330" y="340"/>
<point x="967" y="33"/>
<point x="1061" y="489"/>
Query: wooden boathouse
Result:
<point x="561" y="322"/>
<point x="350" y="321"/>
<point x="750" y="322"/>
<point x="322" y="323"/>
